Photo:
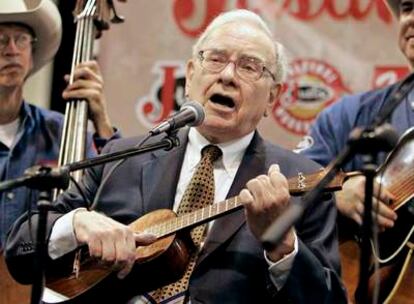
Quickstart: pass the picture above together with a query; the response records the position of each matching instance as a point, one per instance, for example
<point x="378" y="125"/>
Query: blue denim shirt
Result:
<point x="37" y="142"/>
<point x="330" y="132"/>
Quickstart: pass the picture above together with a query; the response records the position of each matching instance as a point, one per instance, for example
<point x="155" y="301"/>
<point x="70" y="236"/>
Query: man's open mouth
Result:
<point x="222" y="100"/>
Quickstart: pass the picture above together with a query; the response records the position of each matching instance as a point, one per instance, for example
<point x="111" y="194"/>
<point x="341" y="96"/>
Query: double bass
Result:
<point x="92" y="17"/>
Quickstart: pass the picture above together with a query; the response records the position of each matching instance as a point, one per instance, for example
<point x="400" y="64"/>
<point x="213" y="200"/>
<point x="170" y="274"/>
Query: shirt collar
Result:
<point x="233" y="151"/>
<point x="26" y="116"/>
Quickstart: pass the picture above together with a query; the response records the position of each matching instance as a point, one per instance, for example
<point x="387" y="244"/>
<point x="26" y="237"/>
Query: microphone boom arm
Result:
<point x="38" y="177"/>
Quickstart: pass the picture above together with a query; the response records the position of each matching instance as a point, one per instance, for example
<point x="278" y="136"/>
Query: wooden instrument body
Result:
<point x="396" y="279"/>
<point x="10" y="290"/>
<point x="160" y="263"/>
<point x="394" y="252"/>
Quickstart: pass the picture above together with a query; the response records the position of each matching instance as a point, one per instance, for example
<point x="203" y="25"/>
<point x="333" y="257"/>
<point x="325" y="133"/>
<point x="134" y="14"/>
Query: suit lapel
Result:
<point x="160" y="177"/>
<point x="252" y="165"/>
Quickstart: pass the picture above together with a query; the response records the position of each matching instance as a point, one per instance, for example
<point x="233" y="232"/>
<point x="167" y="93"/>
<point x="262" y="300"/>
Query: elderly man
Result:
<point x="30" y="34"/>
<point x="235" y="73"/>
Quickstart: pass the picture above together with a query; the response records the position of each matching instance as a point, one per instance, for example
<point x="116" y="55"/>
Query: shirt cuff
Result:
<point x="62" y="239"/>
<point x="100" y="142"/>
<point x="279" y="271"/>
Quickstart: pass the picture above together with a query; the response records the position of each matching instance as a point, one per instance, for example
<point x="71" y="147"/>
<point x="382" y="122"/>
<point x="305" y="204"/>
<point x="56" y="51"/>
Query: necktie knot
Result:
<point x="212" y="152"/>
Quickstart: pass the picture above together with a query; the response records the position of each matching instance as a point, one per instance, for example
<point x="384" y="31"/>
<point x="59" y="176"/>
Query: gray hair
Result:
<point x="238" y="16"/>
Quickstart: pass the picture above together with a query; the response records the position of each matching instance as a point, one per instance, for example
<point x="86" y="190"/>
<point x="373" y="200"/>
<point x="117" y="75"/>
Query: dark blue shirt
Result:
<point x="37" y="142"/>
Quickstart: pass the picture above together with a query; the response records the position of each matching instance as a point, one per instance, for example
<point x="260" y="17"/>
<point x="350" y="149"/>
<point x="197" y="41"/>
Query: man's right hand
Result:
<point x="350" y="202"/>
<point x="109" y="240"/>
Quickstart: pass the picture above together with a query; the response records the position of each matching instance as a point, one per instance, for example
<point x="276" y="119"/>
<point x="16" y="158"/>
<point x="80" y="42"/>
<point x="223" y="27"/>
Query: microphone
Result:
<point x="191" y="114"/>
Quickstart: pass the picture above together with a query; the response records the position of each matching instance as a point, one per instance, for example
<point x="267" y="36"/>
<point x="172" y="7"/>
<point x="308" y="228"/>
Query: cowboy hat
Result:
<point x="394" y="6"/>
<point x="42" y="16"/>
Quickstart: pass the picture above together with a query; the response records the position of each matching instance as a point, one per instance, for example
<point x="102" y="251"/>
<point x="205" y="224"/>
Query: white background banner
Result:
<point x="335" y="47"/>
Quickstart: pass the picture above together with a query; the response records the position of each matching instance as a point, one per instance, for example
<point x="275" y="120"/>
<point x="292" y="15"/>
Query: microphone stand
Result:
<point x="366" y="141"/>
<point x="46" y="179"/>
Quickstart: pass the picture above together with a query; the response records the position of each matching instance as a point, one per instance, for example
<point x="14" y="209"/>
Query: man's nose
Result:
<point x="11" y="46"/>
<point x="229" y="72"/>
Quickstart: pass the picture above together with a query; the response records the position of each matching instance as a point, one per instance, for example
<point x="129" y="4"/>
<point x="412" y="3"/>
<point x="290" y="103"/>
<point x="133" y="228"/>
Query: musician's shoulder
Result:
<point x="125" y="142"/>
<point x="289" y="161"/>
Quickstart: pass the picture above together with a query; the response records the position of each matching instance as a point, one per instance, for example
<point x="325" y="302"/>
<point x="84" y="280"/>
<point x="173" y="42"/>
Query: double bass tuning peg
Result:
<point x="115" y="17"/>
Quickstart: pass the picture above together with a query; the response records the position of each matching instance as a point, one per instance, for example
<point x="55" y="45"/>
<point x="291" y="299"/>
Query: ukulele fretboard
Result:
<point x="195" y="218"/>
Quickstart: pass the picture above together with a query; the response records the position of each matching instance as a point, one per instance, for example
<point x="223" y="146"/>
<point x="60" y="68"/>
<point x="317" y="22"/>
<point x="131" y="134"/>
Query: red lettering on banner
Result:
<point x="167" y="92"/>
<point x="387" y="75"/>
<point x="186" y="11"/>
<point x="306" y="11"/>
<point x="165" y="97"/>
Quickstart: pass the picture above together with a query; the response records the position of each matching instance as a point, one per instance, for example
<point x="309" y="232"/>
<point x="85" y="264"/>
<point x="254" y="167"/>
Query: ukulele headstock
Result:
<point x="303" y="183"/>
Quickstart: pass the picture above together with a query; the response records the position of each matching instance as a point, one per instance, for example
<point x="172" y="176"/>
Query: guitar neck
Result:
<point x="196" y="218"/>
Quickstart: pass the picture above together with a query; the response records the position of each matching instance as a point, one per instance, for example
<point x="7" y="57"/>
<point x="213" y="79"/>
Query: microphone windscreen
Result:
<point x="198" y="110"/>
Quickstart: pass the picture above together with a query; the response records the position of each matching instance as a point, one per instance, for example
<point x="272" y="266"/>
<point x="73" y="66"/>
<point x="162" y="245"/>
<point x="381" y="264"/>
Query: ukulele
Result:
<point x="173" y="244"/>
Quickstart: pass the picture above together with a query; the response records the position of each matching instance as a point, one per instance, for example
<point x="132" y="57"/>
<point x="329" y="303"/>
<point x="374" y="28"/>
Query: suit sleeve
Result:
<point x="20" y="243"/>
<point x="316" y="269"/>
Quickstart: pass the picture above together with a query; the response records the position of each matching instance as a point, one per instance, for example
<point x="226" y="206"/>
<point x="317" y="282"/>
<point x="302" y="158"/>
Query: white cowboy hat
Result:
<point x="43" y="17"/>
<point x="394" y="6"/>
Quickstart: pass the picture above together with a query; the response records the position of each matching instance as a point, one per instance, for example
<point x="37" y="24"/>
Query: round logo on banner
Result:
<point x="311" y="86"/>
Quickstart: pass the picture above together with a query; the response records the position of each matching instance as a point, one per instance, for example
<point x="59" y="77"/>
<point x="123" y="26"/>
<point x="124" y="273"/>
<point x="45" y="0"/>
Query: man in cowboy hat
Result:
<point x="30" y="34"/>
<point x="330" y="132"/>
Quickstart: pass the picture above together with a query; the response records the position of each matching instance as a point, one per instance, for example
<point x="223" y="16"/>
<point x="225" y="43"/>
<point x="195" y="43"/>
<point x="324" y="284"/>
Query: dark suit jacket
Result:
<point x="231" y="267"/>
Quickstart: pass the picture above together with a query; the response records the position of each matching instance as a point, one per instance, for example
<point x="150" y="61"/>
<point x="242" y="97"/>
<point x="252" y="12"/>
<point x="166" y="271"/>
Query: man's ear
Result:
<point x="274" y="95"/>
<point x="189" y="73"/>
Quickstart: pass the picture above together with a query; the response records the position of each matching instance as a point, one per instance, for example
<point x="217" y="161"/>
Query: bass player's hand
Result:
<point x="88" y="85"/>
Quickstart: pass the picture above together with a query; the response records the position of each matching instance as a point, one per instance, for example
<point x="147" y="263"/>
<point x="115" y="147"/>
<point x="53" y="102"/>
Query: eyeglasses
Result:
<point x="21" y="40"/>
<point x="247" y="68"/>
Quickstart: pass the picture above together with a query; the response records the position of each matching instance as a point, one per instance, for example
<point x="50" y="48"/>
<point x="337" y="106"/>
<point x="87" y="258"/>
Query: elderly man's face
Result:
<point x="15" y="55"/>
<point x="233" y="104"/>
<point x="406" y="29"/>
